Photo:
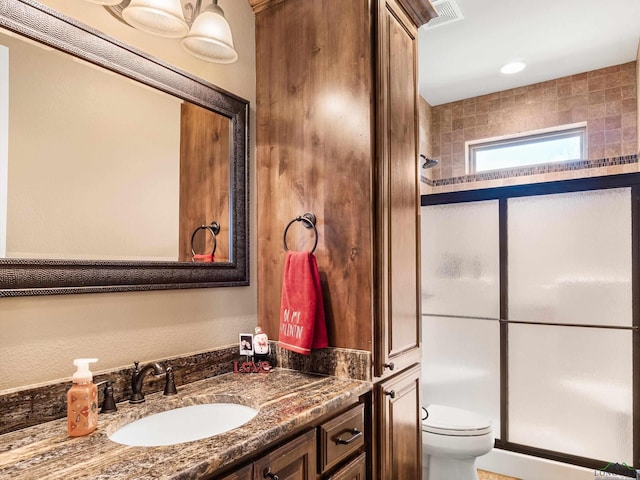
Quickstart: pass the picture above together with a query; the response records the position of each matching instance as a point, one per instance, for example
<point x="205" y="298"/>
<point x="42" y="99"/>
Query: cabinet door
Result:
<point x="295" y="460"/>
<point x="400" y="426"/>
<point x="354" y="470"/>
<point x="397" y="201"/>
<point x="245" y="473"/>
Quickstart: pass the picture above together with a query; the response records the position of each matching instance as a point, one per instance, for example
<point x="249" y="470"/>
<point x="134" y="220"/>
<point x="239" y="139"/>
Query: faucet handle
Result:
<point x="108" y="403"/>
<point x="170" y="383"/>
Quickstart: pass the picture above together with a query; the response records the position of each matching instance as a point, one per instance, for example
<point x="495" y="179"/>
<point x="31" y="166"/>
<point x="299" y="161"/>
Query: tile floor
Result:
<point x="484" y="475"/>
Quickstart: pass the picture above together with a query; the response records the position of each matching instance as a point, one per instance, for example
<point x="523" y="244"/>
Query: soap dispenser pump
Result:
<point x="82" y="400"/>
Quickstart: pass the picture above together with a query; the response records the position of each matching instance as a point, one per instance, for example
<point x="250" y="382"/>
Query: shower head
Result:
<point x="428" y="162"/>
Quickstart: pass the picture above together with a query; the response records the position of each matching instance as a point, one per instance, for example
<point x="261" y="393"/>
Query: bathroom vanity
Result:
<point x="307" y="426"/>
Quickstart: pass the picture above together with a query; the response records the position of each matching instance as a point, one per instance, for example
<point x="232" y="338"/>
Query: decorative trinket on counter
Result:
<point x="246" y="344"/>
<point x="256" y="349"/>
<point x="251" y="367"/>
<point x="260" y="346"/>
<point x="82" y="400"/>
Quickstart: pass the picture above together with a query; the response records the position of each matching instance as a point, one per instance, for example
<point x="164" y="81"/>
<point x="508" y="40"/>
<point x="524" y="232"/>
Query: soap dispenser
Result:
<point x="82" y="400"/>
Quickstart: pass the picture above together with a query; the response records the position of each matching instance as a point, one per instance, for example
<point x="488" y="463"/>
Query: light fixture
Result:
<point x="206" y="33"/>
<point x="513" y="67"/>
<point x="158" y="17"/>
<point x="210" y="36"/>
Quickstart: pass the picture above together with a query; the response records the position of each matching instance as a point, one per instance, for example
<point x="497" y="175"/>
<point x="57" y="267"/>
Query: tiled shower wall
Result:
<point x="638" y="92"/>
<point x="424" y="111"/>
<point x="424" y="147"/>
<point x="606" y="99"/>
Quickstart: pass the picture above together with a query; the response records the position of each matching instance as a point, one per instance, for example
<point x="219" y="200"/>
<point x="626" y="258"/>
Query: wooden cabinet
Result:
<point x="245" y="473"/>
<point x="354" y="470"/>
<point x="341" y="437"/>
<point x="397" y="199"/>
<point x="295" y="460"/>
<point x="399" y="436"/>
<point x="333" y="449"/>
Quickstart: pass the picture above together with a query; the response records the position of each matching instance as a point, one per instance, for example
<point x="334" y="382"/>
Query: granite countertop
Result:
<point x="287" y="400"/>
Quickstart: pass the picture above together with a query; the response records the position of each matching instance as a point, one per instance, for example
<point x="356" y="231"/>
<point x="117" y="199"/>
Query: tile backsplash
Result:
<point x="23" y="407"/>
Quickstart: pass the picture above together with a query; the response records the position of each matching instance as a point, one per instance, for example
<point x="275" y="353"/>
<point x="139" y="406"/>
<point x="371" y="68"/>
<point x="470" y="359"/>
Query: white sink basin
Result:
<point x="184" y="424"/>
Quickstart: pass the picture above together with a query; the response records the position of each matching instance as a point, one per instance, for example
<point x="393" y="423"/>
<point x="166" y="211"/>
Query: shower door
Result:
<point x="460" y="306"/>
<point x="531" y="314"/>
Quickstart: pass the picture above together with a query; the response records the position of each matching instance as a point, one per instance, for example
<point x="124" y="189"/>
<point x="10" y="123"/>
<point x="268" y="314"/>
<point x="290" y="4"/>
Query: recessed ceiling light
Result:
<point x="513" y="67"/>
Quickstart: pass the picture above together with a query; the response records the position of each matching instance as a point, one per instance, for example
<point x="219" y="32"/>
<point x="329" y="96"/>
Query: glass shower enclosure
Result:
<point x="531" y="314"/>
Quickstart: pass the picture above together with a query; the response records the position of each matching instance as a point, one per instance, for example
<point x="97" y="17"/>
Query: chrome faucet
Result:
<point x="138" y="377"/>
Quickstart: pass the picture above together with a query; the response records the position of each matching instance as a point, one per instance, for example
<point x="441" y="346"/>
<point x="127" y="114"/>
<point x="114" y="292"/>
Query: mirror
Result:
<point x="159" y="180"/>
<point x="102" y="167"/>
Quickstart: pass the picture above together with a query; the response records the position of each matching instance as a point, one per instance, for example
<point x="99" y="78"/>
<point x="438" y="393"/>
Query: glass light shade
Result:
<point x="158" y="17"/>
<point x="106" y="2"/>
<point x="210" y="37"/>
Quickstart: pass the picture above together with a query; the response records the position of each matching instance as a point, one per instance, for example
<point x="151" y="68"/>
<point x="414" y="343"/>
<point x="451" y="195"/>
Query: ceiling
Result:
<point x="555" y="38"/>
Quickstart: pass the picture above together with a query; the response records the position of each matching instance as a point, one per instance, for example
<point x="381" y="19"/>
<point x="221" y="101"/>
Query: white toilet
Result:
<point x="452" y="438"/>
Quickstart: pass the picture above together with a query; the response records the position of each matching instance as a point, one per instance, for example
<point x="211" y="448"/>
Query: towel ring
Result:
<point x="214" y="229"/>
<point x="308" y="221"/>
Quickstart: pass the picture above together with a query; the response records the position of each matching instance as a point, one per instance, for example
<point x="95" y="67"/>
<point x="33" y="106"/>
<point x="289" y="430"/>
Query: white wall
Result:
<point x="39" y="336"/>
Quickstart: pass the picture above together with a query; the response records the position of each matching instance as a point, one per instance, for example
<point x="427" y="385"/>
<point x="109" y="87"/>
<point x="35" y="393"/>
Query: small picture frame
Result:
<point x="246" y="344"/>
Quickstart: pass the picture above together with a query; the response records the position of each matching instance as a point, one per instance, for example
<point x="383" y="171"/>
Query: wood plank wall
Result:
<point x="315" y="153"/>
<point x="205" y="145"/>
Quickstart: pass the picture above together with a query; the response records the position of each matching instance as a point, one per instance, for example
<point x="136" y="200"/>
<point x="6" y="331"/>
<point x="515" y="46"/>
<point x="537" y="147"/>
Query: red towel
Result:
<point x="204" y="258"/>
<point x="302" y="324"/>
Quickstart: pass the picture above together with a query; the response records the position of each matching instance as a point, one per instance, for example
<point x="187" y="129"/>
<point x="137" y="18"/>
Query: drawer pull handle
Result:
<point x="355" y="434"/>
<point x="391" y="393"/>
<point x="267" y="474"/>
<point x="389" y="365"/>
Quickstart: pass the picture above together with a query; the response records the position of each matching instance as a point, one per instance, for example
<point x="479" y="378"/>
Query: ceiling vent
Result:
<point x="448" y="12"/>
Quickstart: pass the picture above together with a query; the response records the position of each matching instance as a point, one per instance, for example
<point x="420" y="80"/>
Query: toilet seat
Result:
<point x="455" y="422"/>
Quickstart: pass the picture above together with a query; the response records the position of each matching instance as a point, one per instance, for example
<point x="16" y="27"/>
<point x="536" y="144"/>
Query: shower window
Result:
<point x="535" y="148"/>
<point x="550" y="323"/>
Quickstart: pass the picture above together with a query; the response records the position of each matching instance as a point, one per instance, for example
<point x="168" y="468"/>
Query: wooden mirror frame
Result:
<point x="22" y="277"/>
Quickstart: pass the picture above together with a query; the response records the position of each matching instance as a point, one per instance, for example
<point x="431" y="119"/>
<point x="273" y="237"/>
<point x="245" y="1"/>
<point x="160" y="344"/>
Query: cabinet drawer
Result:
<point x="341" y="436"/>
<point x="354" y="470"/>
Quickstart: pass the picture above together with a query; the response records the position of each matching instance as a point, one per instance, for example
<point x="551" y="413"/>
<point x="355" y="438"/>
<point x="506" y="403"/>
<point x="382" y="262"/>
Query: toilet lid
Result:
<point x="455" y="422"/>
